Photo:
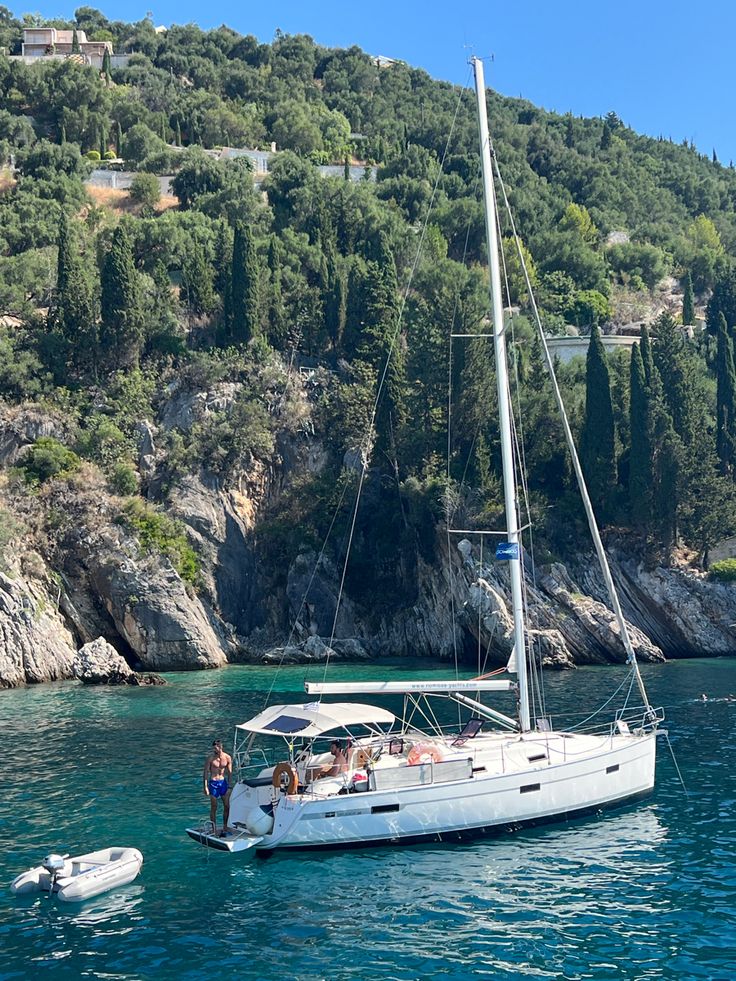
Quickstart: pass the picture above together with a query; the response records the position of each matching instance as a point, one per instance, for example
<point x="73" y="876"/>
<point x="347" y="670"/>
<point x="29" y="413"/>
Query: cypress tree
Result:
<point x="197" y="280"/>
<point x="223" y="276"/>
<point x="569" y="132"/>
<point x="276" y="312"/>
<point x="336" y="307"/>
<point x="178" y="133"/>
<point x="641" y="474"/>
<point x="646" y="357"/>
<point x="723" y="301"/>
<point x="346" y="168"/>
<point x="725" y="399"/>
<point x="75" y="42"/>
<point x="119" y="139"/>
<point x="72" y="310"/>
<point x="597" y="442"/>
<point x="688" y="301"/>
<point x="245" y="286"/>
<point x="667" y="479"/>
<point x="381" y="347"/>
<point x="62" y="134"/>
<point x="606" y="136"/>
<point x="106" y="65"/>
<point x="676" y="370"/>
<point x="122" y="327"/>
<point x="103" y="143"/>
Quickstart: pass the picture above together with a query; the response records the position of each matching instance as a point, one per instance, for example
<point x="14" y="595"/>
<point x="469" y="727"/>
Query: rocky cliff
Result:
<point x="78" y="574"/>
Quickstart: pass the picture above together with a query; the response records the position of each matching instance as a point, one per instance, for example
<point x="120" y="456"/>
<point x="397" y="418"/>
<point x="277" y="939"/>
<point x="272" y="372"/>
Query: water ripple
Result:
<point x="646" y="893"/>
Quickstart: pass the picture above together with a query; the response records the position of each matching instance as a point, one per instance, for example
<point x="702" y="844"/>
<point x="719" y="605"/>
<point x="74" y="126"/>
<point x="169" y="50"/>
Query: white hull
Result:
<point x="579" y="774"/>
<point x="84" y="876"/>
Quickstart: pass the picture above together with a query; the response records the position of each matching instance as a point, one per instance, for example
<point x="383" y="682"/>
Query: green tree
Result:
<point x="245" y="322"/>
<point x="606" y="136"/>
<point x="688" y="301"/>
<point x="703" y="254"/>
<point x="597" y="441"/>
<point x="725" y="399"/>
<point x="667" y="486"/>
<point x="72" y="310"/>
<point x="276" y="308"/>
<point x="121" y="334"/>
<point x="75" y="42"/>
<point x="641" y="457"/>
<point x="577" y="219"/>
<point x="646" y="357"/>
<point x="677" y="371"/>
<point x="106" y="65"/>
<point x="145" y="190"/>
<point x="569" y="132"/>
<point x="197" y="281"/>
<point x="723" y="301"/>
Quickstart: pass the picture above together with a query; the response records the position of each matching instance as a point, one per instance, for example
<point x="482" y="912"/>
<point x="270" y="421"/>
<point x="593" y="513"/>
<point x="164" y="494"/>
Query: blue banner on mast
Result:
<point x="507" y="550"/>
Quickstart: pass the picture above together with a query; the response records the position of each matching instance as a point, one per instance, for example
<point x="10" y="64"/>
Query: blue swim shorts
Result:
<point x="218" y="788"/>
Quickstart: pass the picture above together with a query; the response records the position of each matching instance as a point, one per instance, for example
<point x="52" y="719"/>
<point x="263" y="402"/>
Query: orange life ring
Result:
<point x="425" y="753"/>
<point x="285" y="778"/>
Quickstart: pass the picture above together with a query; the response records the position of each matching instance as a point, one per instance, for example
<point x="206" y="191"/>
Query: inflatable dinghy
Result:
<point x="81" y="877"/>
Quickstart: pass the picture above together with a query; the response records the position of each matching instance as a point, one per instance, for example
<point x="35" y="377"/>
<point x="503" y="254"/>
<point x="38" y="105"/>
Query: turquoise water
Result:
<point x="647" y="892"/>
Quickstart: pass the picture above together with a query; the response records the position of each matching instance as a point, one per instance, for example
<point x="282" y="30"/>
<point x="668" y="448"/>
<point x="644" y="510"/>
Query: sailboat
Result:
<point x="348" y="773"/>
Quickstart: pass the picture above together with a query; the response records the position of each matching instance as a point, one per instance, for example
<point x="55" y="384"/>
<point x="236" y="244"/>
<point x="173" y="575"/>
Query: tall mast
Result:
<point x="504" y="401"/>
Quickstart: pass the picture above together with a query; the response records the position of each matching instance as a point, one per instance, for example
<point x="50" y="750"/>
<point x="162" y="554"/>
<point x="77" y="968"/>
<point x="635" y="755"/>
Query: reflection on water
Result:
<point x="643" y="893"/>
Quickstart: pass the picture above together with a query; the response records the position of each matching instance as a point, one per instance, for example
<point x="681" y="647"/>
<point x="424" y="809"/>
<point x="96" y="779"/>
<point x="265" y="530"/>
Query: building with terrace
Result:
<point x="52" y="42"/>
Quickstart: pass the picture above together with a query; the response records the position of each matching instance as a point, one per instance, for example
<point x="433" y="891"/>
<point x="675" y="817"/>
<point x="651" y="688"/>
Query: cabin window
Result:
<point x="384" y="808"/>
<point x="612" y="769"/>
<point x="529" y="788"/>
<point x="538" y="757"/>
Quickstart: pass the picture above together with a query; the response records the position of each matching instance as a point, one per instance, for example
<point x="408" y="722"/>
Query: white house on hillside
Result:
<point x="51" y="42"/>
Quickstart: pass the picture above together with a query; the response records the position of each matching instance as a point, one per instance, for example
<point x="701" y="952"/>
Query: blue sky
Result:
<point x="664" y="67"/>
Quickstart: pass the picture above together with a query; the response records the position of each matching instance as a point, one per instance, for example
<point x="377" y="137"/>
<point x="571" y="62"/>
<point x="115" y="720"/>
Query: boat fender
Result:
<point x="424" y="753"/>
<point x="259" y="821"/>
<point x="285" y="778"/>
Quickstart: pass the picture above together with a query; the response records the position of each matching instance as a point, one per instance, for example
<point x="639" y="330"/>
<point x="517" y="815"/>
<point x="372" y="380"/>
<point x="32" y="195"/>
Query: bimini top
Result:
<point x="314" y="718"/>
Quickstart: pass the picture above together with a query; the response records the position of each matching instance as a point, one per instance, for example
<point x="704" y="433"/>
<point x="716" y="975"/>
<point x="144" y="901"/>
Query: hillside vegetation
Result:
<point x="110" y="306"/>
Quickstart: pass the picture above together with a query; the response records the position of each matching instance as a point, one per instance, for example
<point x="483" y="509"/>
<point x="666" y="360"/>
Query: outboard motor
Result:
<point x="54" y="864"/>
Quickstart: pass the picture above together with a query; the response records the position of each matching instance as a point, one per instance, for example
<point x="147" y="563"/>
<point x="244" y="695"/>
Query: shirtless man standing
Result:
<point x="218" y="771"/>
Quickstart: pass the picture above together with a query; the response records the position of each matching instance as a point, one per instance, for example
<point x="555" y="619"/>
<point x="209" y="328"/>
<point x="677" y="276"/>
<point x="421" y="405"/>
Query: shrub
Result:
<point x="145" y="189"/>
<point x="723" y="571"/>
<point x="48" y="458"/>
<point x="103" y="442"/>
<point x="162" y="535"/>
<point x="93" y="155"/>
<point x="110" y="155"/>
<point x="123" y="479"/>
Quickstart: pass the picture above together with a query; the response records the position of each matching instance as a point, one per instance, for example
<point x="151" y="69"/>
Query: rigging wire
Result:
<point x="448" y="514"/>
<point x="517" y="426"/>
<point x="595" y="534"/>
<point x="384" y="374"/>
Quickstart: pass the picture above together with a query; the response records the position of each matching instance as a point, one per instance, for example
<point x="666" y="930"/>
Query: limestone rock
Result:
<point x="166" y="626"/>
<point x="35" y="644"/>
<point x="98" y="663"/>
